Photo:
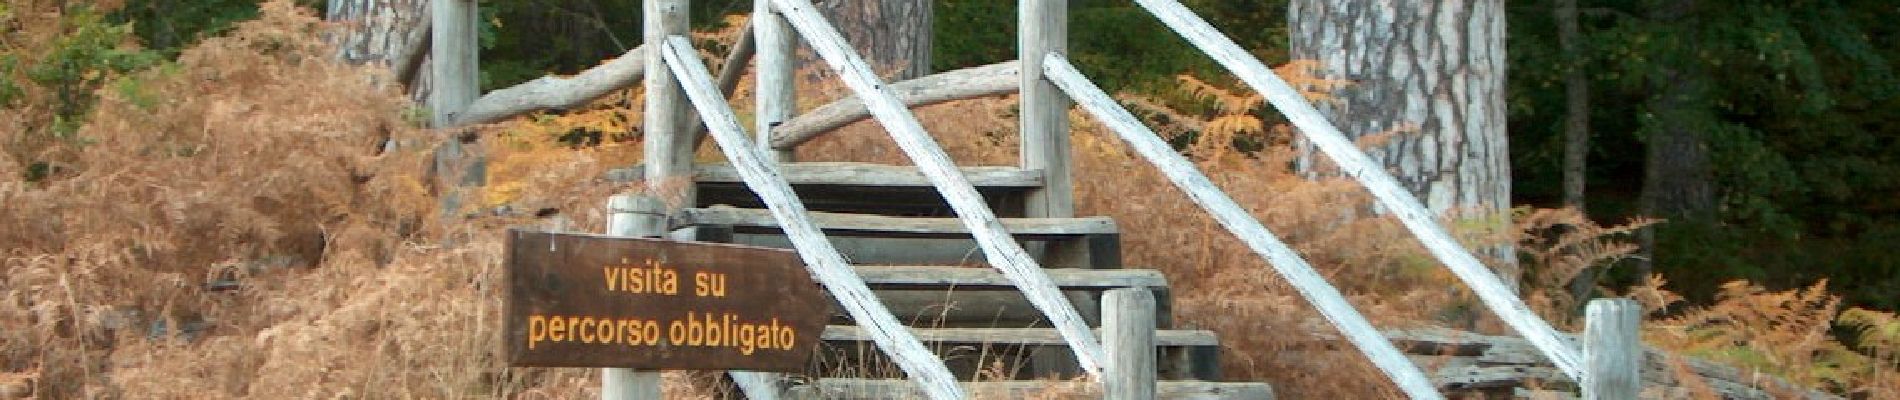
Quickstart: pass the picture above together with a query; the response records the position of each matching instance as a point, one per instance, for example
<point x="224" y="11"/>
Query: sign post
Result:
<point x="579" y="300"/>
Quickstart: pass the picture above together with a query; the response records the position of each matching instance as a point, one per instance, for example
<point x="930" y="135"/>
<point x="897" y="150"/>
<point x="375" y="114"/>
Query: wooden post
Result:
<point x="638" y="216"/>
<point x="455" y="71"/>
<point x="777" y="97"/>
<point x="455" y="79"/>
<point x="669" y="146"/>
<point x="1128" y="334"/>
<point x="1045" y="109"/>
<point x="1612" y="349"/>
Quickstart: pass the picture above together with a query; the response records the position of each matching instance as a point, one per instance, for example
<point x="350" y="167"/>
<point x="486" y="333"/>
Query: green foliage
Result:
<point x="89" y="53"/>
<point x="170" y="25"/>
<point x="1794" y="100"/>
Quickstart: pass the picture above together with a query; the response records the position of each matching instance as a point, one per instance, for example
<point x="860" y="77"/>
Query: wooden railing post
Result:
<point x="1128" y="335"/>
<point x="454" y="76"/>
<point x="637" y="216"/>
<point x="669" y="142"/>
<point x="777" y="96"/>
<point x="1044" y="27"/>
<point x="455" y="69"/>
<point x="1612" y="349"/>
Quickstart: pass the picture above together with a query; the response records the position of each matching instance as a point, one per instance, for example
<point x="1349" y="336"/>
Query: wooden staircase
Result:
<point x="924" y="265"/>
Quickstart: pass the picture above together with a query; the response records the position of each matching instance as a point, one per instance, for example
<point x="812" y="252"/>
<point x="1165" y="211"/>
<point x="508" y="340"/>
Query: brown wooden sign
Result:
<point x="577" y="300"/>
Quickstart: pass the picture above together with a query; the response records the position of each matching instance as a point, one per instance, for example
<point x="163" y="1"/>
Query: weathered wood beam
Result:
<point x="968" y="83"/>
<point x="1373" y="176"/>
<point x="1001" y="250"/>
<point x="1612" y="349"/>
<point x="571" y="91"/>
<point x="877" y="389"/>
<point x="861" y="224"/>
<point x="830" y="268"/>
<point x="853" y="174"/>
<point x="1043" y="27"/>
<point x="455" y="68"/>
<point x="1128" y="333"/>
<point x="1026" y="336"/>
<point x="1322" y="295"/>
<point x="632" y="216"/>
<point x="777" y="97"/>
<point x="893" y="276"/>
<point x="558" y="92"/>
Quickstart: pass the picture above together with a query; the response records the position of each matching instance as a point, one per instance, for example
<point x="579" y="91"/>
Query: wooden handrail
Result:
<point x="820" y="257"/>
<point x="1003" y="252"/>
<point x="1373" y="176"/>
<point x="1322" y="295"/>
<point x="968" y="83"/>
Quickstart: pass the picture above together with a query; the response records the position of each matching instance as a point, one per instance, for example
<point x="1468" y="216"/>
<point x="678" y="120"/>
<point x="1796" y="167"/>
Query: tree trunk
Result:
<point x="894" y="35"/>
<point x="1678" y="182"/>
<point x="1428" y="77"/>
<point x="1576" y="125"/>
<point x="389" y="32"/>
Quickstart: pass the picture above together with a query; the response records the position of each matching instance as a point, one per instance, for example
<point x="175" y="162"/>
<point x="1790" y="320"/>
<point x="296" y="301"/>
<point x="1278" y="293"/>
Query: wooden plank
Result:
<point x="856" y="174"/>
<point x="878" y="389"/>
<point x="902" y="276"/>
<point x="1044" y="30"/>
<point x="1612" y="349"/>
<point x="968" y="83"/>
<point x="1002" y="250"/>
<point x="831" y="270"/>
<point x="1324" y="297"/>
<point x="861" y="224"/>
<point x="1128" y="333"/>
<point x="1497" y="296"/>
<point x="1023" y="336"/>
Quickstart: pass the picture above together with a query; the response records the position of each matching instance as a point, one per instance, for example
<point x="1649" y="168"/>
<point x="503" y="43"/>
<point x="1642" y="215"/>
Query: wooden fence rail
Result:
<point x="1284" y="260"/>
<point x="1002" y="250"/>
<point x="825" y="262"/>
<point x="1373" y="176"/>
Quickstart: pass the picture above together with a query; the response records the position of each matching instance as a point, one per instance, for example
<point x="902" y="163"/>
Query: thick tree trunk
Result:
<point x="390" y="32"/>
<point x="1429" y="76"/>
<point x="894" y="35"/>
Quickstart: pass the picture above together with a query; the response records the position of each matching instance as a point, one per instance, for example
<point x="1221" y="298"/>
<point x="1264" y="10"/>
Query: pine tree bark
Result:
<point x="893" y="35"/>
<point x="389" y="32"/>
<point x="1429" y="77"/>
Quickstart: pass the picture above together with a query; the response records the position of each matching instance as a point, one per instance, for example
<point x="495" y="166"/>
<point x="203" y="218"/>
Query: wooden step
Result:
<point x="1017" y="336"/>
<point x="881" y="389"/>
<point x="855" y="174"/>
<point x="751" y="220"/>
<point x="980" y="278"/>
<point x="1184" y="354"/>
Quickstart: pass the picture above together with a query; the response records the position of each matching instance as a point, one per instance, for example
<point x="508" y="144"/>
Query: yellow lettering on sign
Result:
<point x="709" y="284"/>
<point x="697" y="329"/>
<point x="651" y="278"/>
